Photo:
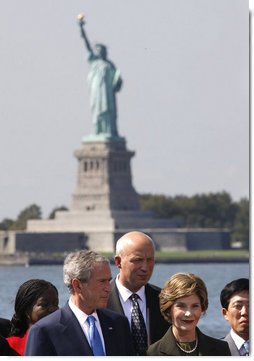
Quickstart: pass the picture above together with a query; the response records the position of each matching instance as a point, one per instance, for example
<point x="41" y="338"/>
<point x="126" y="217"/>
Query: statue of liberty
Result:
<point x="104" y="81"/>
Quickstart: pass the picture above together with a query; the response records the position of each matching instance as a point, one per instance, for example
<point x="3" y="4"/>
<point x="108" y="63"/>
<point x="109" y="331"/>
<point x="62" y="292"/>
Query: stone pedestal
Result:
<point x="104" y="177"/>
<point x="105" y="206"/>
<point x="103" y="200"/>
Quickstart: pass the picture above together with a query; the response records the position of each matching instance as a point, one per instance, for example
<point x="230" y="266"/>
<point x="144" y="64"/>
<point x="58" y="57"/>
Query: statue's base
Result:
<point x="104" y="177"/>
<point x="105" y="206"/>
<point x="101" y="229"/>
<point x="105" y="138"/>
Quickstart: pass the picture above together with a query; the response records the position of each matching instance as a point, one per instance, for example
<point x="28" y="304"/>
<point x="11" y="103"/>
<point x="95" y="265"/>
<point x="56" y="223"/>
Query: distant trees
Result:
<point x="241" y="224"/>
<point x="216" y="210"/>
<point x="31" y="212"/>
<point x="53" y="213"/>
<point x="6" y="224"/>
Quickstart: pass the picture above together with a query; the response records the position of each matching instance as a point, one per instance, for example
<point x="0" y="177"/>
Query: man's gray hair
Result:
<point x="80" y="265"/>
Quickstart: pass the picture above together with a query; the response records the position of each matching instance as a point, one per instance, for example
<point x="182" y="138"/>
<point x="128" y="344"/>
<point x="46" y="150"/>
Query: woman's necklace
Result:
<point x="188" y="351"/>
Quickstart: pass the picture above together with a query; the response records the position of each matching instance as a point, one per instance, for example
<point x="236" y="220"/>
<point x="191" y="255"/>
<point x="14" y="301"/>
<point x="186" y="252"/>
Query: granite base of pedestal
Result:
<point x="102" y="229"/>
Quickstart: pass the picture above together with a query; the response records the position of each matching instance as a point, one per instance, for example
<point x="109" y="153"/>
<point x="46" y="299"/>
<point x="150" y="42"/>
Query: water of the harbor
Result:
<point x="215" y="275"/>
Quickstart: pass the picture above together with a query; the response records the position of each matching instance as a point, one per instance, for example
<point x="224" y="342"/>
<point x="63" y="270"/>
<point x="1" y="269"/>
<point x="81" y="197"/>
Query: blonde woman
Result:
<point x="183" y="300"/>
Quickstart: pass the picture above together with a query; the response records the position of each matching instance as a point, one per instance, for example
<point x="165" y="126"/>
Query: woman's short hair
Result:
<point x="80" y="265"/>
<point x="182" y="285"/>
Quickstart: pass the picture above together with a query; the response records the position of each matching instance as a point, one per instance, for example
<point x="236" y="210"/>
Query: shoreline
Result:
<point x="24" y="260"/>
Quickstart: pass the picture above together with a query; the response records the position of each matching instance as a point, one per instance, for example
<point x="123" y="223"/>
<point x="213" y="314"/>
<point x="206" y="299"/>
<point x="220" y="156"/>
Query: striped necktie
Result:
<point x="94" y="337"/>
<point x="245" y="349"/>
<point x="138" y="327"/>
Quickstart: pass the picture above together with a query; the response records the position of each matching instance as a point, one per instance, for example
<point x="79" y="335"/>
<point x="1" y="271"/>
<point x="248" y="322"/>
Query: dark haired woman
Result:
<point x="35" y="299"/>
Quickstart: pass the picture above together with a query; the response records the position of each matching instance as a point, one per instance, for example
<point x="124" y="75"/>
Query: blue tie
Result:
<point x="95" y="338"/>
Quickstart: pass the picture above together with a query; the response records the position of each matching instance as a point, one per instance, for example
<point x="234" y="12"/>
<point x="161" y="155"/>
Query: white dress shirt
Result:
<point x="239" y="341"/>
<point x="82" y="319"/>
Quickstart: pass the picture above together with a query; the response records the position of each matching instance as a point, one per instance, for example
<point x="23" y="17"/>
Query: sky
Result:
<point x="183" y="107"/>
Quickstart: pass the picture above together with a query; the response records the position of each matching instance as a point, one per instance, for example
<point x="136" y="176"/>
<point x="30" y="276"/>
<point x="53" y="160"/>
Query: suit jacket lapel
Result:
<point x="168" y="345"/>
<point x="149" y="317"/>
<point x="233" y="349"/>
<point x="152" y="318"/>
<point x="204" y="348"/>
<point x="114" y="299"/>
<point x="107" y="328"/>
<point x="74" y="332"/>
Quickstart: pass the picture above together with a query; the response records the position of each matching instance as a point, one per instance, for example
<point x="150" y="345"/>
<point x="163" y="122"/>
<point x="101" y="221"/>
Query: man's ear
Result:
<point x="224" y="313"/>
<point x="117" y="261"/>
<point x="76" y="285"/>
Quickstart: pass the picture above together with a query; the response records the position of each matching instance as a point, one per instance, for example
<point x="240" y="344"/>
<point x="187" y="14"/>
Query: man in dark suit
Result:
<point x="135" y="260"/>
<point x="234" y="299"/>
<point x="70" y="331"/>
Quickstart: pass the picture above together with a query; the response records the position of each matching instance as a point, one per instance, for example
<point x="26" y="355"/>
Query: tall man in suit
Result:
<point x="135" y="260"/>
<point x="83" y="327"/>
<point x="234" y="299"/>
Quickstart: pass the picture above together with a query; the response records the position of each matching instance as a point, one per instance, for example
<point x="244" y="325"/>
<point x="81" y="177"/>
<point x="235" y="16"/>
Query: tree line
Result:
<point x="213" y="210"/>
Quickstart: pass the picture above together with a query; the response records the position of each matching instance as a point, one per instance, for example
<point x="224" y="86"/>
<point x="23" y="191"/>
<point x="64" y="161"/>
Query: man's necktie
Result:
<point x="138" y="327"/>
<point x="245" y="349"/>
<point x="95" y="338"/>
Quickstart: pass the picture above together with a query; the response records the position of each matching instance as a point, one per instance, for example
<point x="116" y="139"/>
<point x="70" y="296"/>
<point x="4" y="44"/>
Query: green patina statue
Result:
<point x="104" y="81"/>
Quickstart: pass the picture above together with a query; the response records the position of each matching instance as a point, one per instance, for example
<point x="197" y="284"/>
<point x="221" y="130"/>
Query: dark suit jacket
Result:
<point x="60" y="334"/>
<point x="157" y="325"/>
<point x="207" y="346"/>
<point x="5" y="327"/>
<point x="232" y="346"/>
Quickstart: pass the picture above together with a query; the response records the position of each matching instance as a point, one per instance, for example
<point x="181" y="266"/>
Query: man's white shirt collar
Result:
<point x="239" y="341"/>
<point x="81" y="316"/>
<point x="125" y="293"/>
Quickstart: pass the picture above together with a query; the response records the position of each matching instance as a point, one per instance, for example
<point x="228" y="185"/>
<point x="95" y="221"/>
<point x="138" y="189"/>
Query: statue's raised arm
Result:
<point x="83" y="33"/>
<point x="104" y="81"/>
